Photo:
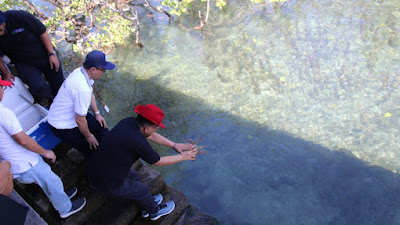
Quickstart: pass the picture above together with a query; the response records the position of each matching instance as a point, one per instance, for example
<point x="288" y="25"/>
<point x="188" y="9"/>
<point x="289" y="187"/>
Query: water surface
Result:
<point x="297" y="108"/>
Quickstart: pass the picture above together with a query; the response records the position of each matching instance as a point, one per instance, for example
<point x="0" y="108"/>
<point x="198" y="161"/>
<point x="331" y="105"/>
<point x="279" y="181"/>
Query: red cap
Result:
<point x="5" y="83"/>
<point x="152" y="113"/>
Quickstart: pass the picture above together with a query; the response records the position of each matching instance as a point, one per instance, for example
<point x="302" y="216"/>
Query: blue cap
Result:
<point x="98" y="59"/>
<point x="2" y="17"/>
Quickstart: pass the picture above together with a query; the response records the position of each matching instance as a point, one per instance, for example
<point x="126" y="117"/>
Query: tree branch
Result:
<point x="55" y="3"/>
<point x="140" y="45"/>
<point x="159" y="11"/>
<point x="202" y="22"/>
<point x="33" y="7"/>
<point x="119" y="12"/>
<point x="134" y="19"/>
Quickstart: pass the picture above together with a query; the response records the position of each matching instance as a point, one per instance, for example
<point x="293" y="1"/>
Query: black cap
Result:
<point x="98" y="59"/>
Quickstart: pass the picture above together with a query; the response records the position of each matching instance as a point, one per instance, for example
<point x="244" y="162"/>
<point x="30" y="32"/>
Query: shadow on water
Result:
<point x="255" y="175"/>
<point x="314" y="71"/>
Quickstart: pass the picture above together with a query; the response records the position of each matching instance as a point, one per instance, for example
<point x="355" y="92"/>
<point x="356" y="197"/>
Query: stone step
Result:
<point x="93" y="203"/>
<point x="193" y="215"/>
<point x="32" y="216"/>
<point x="68" y="170"/>
<point x="69" y="167"/>
<point x="123" y="211"/>
<point x="169" y="194"/>
<point x="102" y="210"/>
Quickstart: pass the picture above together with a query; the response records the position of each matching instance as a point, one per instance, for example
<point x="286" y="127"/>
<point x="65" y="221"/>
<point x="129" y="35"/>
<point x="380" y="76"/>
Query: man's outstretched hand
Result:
<point x="189" y="155"/>
<point x="179" y="147"/>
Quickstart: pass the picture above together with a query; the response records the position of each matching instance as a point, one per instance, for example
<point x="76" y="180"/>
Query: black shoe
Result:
<point x="77" y="205"/>
<point x="71" y="192"/>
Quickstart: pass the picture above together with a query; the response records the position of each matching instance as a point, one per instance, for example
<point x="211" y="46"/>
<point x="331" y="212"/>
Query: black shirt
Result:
<point x="119" y="149"/>
<point x="21" y="41"/>
<point x="12" y="212"/>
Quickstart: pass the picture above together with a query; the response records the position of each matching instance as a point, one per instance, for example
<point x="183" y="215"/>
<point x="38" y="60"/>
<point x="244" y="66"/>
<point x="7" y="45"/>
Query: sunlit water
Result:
<point x="298" y="109"/>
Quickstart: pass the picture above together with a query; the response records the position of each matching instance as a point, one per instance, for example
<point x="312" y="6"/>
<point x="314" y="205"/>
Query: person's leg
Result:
<point x="133" y="188"/>
<point x="50" y="183"/>
<point x="54" y="78"/>
<point x="95" y="128"/>
<point x="33" y="77"/>
<point x="74" y="138"/>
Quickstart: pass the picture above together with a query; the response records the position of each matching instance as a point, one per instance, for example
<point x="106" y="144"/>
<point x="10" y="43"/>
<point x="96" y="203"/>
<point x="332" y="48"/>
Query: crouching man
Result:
<point x="27" y="166"/>
<point x="109" y="167"/>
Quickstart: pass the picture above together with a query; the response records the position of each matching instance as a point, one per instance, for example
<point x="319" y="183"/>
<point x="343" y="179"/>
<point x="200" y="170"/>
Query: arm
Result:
<point x="172" y="159"/>
<point x="178" y="147"/>
<point x="84" y="129"/>
<point x="159" y="139"/>
<point x="98" y="116"/>
<point x="6" y="74"/>
<point x="6" y="178"/>
<point x="27" y="142"/>
<point x="53" y="60"/>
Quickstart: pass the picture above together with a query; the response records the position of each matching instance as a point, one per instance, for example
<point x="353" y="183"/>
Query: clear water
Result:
<point x="298" y="109"/>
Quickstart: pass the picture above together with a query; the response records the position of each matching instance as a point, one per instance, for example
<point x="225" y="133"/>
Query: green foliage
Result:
<point x="177" y="7"/>
<point x="109" y="28"/>
<point x="10" y="4"/>
<point x="71" y="21"/>
<point x="267" y="1"/>
<point x="220" y="3"/>
<point x="89" y="24"/>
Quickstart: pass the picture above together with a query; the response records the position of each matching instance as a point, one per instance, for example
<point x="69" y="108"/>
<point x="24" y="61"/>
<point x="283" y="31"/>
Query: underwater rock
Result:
<point x="394" y="41"/>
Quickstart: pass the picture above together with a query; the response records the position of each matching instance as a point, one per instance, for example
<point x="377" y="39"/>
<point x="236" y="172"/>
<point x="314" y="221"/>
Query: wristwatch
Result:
<point x="52" y="53"/>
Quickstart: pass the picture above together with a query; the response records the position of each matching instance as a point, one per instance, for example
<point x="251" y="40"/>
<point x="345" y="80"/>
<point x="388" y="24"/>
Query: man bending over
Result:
<point x="109" y="167"/>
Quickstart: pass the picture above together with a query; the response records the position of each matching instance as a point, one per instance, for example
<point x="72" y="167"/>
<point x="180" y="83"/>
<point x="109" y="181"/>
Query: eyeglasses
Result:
<point x="101" y="69"/>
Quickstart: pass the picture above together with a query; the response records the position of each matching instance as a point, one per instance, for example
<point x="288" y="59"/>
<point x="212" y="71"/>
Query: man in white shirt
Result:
<point x="27" y="166"/>
<point x="68" y="114"/>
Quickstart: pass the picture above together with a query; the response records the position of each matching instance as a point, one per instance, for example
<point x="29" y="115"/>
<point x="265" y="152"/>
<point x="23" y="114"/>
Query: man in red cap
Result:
<point x="27" y="165"/>
<point x="109" y="167"/>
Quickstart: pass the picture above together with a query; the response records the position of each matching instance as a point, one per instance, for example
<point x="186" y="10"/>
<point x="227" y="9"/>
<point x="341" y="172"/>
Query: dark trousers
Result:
<point x="74" y="137"/>
<point x="34" y="75"/>
<point x="131" y="188"/>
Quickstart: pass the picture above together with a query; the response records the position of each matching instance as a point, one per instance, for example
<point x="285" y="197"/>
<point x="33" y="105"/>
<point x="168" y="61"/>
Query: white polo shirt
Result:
<point x="73" y="98"/>
<point x="21" y="159"/>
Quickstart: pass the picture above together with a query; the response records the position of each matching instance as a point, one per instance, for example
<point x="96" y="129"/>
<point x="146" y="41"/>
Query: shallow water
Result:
<point x="298" y="109"/>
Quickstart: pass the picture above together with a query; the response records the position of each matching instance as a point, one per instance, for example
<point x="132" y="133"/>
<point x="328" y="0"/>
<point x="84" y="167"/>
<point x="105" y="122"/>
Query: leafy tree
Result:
<point x="101" y="24"/>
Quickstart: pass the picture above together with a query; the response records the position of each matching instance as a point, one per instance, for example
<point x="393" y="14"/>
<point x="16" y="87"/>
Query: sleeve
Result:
<point x="10" y="122"/>
<point x="81" y="101"/>
<point x="148" y="154"/>
<point x="31" y="23"/>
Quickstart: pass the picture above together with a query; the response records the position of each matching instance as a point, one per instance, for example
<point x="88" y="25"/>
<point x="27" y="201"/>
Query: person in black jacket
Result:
<point x="24" y="40"/>
<point x="109" y="167"/>
<point x="11" y="212"/>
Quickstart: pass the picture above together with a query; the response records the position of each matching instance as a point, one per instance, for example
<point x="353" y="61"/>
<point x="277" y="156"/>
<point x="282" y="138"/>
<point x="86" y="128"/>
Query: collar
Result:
<point x="88" y="80"/>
